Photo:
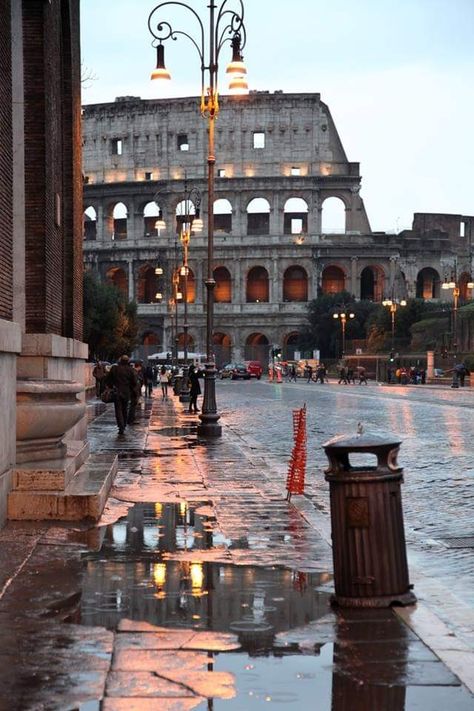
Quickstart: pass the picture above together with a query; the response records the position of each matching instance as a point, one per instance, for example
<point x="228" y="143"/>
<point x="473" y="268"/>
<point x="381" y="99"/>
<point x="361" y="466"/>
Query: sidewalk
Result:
<point x="256" y="604"/>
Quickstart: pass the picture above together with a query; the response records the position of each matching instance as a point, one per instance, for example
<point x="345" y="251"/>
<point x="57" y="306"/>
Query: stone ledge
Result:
<point x="10" y="337"/>
<point x="84" y="497"/>
<point x="49" y="344"/>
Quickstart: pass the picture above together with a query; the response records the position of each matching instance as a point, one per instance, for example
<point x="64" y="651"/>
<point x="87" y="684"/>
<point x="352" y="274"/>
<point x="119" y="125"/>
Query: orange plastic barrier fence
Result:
<point x="297" y="466"/>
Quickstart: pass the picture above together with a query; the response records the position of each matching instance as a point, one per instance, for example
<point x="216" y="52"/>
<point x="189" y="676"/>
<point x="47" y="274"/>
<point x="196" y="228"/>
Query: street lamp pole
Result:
<point x="342" y="316"/>
<point x="227" y="26"/>
<point x="393" y="304"/>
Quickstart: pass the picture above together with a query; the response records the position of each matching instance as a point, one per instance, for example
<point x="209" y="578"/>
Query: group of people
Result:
<point x="348" y="375"/>
<point x="128" y="379"/>
<point x="320" y="375"/>
<point x="412" y="375"/>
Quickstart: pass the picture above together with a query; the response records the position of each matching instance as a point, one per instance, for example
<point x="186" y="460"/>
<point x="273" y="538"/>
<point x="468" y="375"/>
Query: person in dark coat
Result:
<point x="194" y="388"/>
<point x="124" y="378"/>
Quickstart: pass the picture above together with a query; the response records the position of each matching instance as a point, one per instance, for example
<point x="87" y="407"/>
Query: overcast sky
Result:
<point x="397" y="75"/>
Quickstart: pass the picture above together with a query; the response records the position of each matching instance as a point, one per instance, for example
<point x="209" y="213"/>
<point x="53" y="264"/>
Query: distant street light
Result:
<point x="394" y="305"/>
<point x="343" y="316"/>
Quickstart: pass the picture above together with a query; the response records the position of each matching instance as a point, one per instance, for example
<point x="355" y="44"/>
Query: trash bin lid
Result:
<point x="361" y="443"/>
<point x="385" y="448"/>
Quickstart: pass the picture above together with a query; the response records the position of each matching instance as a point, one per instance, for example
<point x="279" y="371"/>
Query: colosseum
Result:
<point x="289" y="221"/>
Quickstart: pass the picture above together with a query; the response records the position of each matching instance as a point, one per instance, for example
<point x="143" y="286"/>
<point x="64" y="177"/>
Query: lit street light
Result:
<point x="228" y="27"/>
<point x="343" y="316"/>
<point x="394" y="305"/>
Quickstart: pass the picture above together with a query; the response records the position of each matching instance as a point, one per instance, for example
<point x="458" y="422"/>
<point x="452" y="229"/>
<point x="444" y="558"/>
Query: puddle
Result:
<point x="295" y="652"/>
<point x="130" y="577"/>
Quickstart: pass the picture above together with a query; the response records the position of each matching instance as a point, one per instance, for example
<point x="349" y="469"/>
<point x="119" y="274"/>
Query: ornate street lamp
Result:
<point x="228" y="26"/>
<point x="191" y="222"/>
<point x="343" y="316"/>
<point x="394" y="305"/>
<point x="453" y="284"/>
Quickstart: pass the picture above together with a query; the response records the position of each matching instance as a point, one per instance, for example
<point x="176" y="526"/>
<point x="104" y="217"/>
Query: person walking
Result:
<point x="343" y="375"/>
<point x="164" y="380"/>
<point x="292" y="373"/>
<point x="124" y="379"/>
<point x="99" y="374"/>
<point x="309" y="372"/>
<point x="362" y="375"/>
<point x="148" y="380"/>
<point x="194" y="388"/>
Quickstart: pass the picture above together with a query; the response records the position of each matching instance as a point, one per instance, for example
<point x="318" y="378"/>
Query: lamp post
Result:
<point x="394" y="305"/>
<point x="453" y="284"/>
<point x="343" y="316"/>
<point x="227" y="26"/>
<point x="190" y="222"/>
<point x="177" y="296"/>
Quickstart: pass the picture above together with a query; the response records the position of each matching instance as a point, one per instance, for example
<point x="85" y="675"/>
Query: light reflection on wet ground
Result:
<point x="130" y="577"/>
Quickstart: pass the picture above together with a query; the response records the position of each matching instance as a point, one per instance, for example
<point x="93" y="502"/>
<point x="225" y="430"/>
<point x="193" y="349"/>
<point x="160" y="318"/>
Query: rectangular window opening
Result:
<point x="295" y="170"/>
<point x="117" y="146"/>
<point x="148" y="176"/>
<point x="462" y="229"/>
<point x="296" y="226"/>
<point x="182" y="140"/>
<point x="221" y="172"/>
<point x="259" y="139"/>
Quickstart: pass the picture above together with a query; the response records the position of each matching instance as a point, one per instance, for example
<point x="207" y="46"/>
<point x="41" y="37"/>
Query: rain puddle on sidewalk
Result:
<point x="242" y="637"/>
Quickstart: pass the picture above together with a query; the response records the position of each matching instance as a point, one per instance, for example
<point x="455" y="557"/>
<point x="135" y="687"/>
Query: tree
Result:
<point x="324" y="331"/>
<point x="110" y="321"/>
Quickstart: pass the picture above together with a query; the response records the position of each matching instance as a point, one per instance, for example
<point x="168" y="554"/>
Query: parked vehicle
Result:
<point x="254" y="368"/>
<point x="235" y="371"/>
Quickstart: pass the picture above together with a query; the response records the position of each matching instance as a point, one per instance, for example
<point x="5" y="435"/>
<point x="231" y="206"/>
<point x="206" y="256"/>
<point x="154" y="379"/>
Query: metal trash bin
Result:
<point x="368" y="538"/>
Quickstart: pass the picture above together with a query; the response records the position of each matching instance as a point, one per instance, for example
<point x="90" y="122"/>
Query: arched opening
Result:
<point x="151" y="213"/>
<point x="147" y="285"/>
<point x="190" y="286"/>
<point x="150" y="338"/>
<point x="295" y="217"/>
<point x="333" y="216"/>
<point x="465" y="294"/>
<point x="119" y="216"/>
<point x="90" y="223"/>
<point x="117" y="277"/>
<point x="372" y="283"/>
<point x="222" y="216"/>
<point x="223" y="287"/>
<point x="257" y="347"/>
<point x="222" y="346"/>
<point x="180" y="341"/>
<point x="333" y="280"/>
<point x="291" y="345"/>
<point x="427" y="284"/>
<point x="184" y="210"/>
<point x="257" y="286"/>
<point x="258" y="217"/>
<point x="295" y="284"/>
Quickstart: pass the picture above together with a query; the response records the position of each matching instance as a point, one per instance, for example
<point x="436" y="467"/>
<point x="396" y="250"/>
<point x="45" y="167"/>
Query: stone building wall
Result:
<point x="277" y="147"/>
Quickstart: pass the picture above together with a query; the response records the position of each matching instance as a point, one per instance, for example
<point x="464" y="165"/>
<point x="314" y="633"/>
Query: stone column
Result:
<point x="276" y="294"/>
<point x="237" y="292"/>
<point x="131" y="280"/>
<point x="354" y="279"/>
<point x="391" y="285"/>
<point x="100" y="226"/>
<point x="276" y="217"/>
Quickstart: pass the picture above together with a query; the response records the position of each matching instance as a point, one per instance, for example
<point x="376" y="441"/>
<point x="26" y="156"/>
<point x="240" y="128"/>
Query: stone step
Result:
<point x="51" y="475"/>
<point x="84" y="497"/>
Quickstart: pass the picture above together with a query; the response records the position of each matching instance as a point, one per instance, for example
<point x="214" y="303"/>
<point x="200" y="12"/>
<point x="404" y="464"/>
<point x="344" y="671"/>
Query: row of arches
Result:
<point x="257" y="285"/>
<point x="295" y="217"/>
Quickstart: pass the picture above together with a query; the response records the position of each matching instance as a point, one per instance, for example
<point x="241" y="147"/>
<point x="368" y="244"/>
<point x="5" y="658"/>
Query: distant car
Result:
<point x="254" y="368"/>
<point x="235" y="371"/>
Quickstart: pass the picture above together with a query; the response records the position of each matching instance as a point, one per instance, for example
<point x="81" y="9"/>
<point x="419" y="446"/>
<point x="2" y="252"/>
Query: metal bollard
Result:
<point x="368" y="538"/>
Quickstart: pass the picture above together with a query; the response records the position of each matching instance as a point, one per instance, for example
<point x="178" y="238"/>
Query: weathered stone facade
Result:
<point x="278" y="160"/>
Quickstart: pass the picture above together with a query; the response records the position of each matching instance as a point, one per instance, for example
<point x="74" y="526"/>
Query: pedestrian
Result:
<point x="362" y="375"/>
<point x="350" y="375"/>
<point x="343" y="375"/>
<point x="99" y="372"/>
<point x="194" y="388"/>
<point x="309" y="372"/>
<point x="149" y="380"/>
<point x="124" y="379"/>
<point x="292" y="373"/>
<point x="461" y="371"/>
<point x="164" y="380"/>
<point x="320" y="372"/>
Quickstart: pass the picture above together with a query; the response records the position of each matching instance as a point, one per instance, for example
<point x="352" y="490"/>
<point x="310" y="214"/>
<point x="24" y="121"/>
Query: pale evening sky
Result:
<point x="397" y="75"/>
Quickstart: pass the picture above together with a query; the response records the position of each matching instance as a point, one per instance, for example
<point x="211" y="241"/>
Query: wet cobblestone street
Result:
<point x="202" y="588"/>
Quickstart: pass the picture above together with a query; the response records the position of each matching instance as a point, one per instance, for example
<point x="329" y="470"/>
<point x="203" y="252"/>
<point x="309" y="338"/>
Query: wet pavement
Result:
<point x="202" y="588"/>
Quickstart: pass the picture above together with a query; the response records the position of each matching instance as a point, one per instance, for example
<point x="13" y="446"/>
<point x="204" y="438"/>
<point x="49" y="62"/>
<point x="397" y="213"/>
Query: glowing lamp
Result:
<point x="158" y="296"/>
<point x="160" y="72"/>
<point x="158" y="271"/>
<point x="238" y="85"/>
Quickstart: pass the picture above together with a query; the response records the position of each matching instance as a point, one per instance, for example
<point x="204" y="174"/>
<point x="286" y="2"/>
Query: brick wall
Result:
<point x="6" y="172"/>
<point x="52" y="167"/>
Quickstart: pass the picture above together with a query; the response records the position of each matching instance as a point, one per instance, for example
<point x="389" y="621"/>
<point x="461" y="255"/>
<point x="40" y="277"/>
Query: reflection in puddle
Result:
<point x="131" y="577"/>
